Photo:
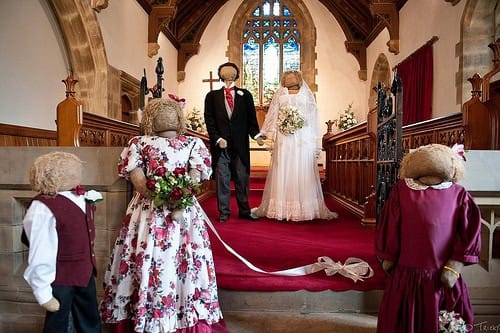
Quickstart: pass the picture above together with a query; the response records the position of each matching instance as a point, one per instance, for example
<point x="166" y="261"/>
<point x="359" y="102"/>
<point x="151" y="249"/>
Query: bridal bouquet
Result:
<point x="451" y="322"/>
<point x="176" y="188"/>
<point x="289" y="120"/>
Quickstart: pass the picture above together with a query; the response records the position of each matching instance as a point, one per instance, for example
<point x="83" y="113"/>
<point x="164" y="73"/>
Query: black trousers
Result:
<point x="81" y="302"/>
<point x="229" y="166"/>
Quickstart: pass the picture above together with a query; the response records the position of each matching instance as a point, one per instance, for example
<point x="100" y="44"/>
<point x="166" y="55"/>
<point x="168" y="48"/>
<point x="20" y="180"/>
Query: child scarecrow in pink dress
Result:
<point x="428" y="230"/>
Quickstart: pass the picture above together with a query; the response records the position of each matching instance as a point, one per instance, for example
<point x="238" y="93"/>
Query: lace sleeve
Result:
<point x="270" y="125"/>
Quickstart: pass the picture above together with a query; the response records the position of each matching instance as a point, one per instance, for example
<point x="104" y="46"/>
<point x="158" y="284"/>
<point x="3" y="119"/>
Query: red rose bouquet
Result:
<point x="173" y="188"/>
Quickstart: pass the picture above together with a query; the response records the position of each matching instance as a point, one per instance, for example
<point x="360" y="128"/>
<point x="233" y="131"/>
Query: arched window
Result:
<point x="268" y="37"/>
<point x="271" y="45"/>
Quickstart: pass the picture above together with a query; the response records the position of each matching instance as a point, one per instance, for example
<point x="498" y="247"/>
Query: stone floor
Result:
<point x="240" y="322"/>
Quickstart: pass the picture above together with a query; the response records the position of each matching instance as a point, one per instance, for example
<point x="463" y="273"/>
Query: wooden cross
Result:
<point x="211" y="80"/>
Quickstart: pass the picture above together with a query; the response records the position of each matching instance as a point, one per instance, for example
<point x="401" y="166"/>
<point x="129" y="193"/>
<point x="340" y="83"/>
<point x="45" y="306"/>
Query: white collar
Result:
<point x="419" y="187"/>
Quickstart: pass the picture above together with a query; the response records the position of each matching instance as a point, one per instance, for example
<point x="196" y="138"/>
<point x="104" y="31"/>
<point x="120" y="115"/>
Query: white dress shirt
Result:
<point x="228" y="109"/>
<point x="40" y="227"/>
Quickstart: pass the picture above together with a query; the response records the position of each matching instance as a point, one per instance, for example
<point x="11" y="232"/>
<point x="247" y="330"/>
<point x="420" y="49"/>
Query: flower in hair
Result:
<point x="459" y="150"/>
<point x="177" y="98"/>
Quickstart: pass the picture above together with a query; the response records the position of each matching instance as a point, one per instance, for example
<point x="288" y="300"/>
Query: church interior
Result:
<point x="77" y="74"/>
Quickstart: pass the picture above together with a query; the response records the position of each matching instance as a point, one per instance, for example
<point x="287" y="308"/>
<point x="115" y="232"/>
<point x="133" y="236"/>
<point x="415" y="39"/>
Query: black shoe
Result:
<point x="249" y="216"/>
<point x="223" y="218"/>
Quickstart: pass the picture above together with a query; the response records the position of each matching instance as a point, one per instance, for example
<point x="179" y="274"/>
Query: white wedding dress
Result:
<point x="293" y="190"/>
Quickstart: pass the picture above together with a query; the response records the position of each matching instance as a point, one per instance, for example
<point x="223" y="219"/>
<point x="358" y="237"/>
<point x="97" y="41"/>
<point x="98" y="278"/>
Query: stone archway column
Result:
<point x="381" y="73"/>
<point x="478" y="31"/>
<point x="85" y="48"/>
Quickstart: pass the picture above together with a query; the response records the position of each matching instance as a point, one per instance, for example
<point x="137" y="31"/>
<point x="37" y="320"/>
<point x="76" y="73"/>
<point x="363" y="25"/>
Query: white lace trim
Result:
<point x="294" y="210"/>
<point x="419" y="187"/>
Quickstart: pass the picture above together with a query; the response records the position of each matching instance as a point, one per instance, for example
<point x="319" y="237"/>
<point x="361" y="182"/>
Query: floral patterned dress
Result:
<point x="161" y="275"/>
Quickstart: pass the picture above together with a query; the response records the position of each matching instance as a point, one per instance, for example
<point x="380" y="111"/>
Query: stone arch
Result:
<point x="308" y="30"/>
<point x="85" y="49"/>
<point x="478" y="30"/>
<point x="381" y="73"/>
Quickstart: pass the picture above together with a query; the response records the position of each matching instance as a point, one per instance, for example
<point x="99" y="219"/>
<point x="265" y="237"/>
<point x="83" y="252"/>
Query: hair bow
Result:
<point x="180" y="101"/>
<point x="459" y="150"/>
<point x="176" y="98"/>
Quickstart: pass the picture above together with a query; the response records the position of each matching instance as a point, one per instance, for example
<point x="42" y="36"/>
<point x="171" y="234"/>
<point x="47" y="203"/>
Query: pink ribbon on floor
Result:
<point x="354" y="268"/>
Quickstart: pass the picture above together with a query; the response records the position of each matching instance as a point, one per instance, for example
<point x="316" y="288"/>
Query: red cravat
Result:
<point x="229" y="97"/>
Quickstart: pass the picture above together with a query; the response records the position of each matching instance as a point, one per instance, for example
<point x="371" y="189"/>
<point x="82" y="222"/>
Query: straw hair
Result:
<point x="174" y="117"/>
<point x="55" y="172"/>
<point x="433" y="160"/>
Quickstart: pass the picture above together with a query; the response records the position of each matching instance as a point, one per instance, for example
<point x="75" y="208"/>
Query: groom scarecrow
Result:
<point x="230" y="118"/>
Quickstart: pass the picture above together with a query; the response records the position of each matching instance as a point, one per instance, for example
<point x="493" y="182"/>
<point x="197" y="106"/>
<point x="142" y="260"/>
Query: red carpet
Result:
<point x="273" y="245"/>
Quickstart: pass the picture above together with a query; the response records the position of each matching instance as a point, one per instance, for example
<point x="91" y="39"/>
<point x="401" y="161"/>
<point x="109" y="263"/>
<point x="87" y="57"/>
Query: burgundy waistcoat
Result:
<point x="76" y="234"/>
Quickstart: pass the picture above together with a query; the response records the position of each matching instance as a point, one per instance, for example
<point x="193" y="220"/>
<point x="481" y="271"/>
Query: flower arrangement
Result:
<point x="176" y="188"/>
<point x="289" y="120"/>
<point x="195" y="121"/>
<point x="346" y="119"/>
<point x="451" y="322"/>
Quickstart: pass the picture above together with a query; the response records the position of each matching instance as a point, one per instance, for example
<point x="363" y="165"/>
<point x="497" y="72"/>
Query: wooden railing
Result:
<point x="13" y="135"/>
<point x="446" y="130"/>
<point x="93" y="130"/>
<point x="350" y="166"/>
<point x="350" y="157"/>
<point x="76" y="128"/>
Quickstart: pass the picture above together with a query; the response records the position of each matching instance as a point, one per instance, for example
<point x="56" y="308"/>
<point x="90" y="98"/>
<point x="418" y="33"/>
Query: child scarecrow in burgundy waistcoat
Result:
<point x="59" y="226"/>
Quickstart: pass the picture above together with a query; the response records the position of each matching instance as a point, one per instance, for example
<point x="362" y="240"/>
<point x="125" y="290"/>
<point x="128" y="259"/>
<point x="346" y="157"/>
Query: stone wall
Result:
<point x="18" y="308"/>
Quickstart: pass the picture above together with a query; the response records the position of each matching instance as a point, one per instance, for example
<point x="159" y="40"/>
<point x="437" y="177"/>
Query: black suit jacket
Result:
<point x="235" y="130"/>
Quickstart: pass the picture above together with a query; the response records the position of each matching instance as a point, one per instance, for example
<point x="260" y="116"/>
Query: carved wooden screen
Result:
<point x="389" y="133"/>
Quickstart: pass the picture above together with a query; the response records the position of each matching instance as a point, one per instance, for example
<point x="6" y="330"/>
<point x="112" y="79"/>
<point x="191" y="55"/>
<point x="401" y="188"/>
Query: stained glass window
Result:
<point x="271" y="45"/>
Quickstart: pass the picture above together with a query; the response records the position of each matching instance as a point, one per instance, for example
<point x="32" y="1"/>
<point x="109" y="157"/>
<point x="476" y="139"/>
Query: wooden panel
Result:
<point x="493" y="104"/>
<point x="349" y="166"/>
<point x="446" y="130"/>
<point x="350" y="171"/>
<point x="101" y="131"/>
<point x="12" y="135"/>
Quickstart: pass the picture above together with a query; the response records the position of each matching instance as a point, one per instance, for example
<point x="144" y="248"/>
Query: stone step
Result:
<point x="245" y="312"/>
<point x="301" y="301"/>
<point x="300" y="311"/>
<point x="288" y="322"/>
